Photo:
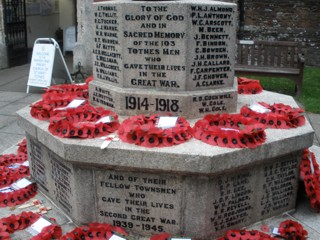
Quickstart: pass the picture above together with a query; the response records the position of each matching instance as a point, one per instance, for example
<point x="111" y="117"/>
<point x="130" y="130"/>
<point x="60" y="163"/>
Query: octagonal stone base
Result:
<point x="192" y="189"/>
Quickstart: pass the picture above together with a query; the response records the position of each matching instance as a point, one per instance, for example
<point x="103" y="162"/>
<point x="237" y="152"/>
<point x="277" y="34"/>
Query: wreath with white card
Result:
<point x="155" y="130"/>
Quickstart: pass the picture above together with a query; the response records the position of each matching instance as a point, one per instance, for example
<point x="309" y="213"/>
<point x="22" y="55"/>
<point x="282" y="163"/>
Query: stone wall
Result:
<point x="289" y="20"/>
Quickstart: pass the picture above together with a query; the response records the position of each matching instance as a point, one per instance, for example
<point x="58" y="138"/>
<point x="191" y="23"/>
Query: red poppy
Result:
<point x="150" y="141"/>
<point x="161" y="236"/>
<point x="12" y="223"/>
<point x="4" y="236"/>
<point x="89" y="79"/>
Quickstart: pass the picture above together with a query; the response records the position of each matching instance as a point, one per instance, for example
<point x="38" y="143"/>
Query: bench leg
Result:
<point x="298" y="86"/>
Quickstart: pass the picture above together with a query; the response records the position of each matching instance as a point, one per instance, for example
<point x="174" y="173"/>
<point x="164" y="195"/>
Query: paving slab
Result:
<point x="12" y="108"/>
<point x="13" y="74"/>
<point x="8" y="139"/>
<point x="12" y="128"/>
<point x="275" y="222"/>
<point x="6" y="120"/>
<point x="30" y="98"/>
<point x="11" y="96"/>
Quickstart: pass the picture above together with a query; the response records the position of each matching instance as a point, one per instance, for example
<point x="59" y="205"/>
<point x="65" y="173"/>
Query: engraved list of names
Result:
<point x="213" y="43"/>
<point x="107" y="54"/>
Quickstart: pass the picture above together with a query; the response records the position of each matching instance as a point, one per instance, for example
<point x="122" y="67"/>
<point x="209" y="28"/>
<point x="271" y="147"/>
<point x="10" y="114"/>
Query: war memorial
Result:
<point x="169" y="58"/>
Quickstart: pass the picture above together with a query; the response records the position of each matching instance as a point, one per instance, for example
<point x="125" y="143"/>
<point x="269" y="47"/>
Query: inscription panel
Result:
<point x="61" y="176"/>
<point x="154" y="40"/>
<point x="107" y="52"/>
<point x="235" y="200"/>
<point x="146" y="102"/>
<point x="213" y="46"/>
<point x="232" y="204"/>
<point x="172" y="47"/>
<point x="279" y="186"/>
<point x="142" y="203"/>
<point x="37" y="165"/>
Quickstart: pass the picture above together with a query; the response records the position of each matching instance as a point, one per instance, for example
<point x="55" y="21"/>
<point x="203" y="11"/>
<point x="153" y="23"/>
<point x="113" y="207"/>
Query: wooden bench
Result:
<point x="271" y="58"/>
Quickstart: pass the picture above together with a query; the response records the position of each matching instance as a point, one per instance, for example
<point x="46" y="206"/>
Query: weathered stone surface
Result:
<point x="146" y="50"/>
<point x="205" y="189"/>
<point x="189" y="104"/>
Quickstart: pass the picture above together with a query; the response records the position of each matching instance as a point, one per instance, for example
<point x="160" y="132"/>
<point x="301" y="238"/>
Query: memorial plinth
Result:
<point x="167" y="57"/>
<point x="193" y="189"/>
<point x="164" y="57"/>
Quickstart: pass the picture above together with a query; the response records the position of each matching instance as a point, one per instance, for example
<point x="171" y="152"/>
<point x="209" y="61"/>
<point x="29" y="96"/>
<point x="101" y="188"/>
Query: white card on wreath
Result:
<point x="22" y="183"/>
<point x="258" y="108"/>
<point x="37" y="227"/>
<point x="116" y="237"/>
<point x="167" y="122"/>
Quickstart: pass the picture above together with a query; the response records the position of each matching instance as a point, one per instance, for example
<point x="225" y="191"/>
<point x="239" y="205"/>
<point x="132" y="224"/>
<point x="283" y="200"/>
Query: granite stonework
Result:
<point x="193" y="189"/>
<point x="164" y="56"/>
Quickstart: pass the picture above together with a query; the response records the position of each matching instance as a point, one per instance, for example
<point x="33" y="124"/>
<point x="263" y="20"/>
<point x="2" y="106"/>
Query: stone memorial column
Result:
<point x="168" y="56"/>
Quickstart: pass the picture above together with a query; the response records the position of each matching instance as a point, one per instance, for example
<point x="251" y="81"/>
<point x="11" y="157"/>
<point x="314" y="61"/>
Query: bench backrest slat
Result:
<point x="268" y="53"/>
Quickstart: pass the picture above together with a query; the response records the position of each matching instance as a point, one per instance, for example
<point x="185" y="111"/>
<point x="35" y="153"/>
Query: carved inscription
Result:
<point x="232" y="204"/>
<point x="103" y="96"/>
<point x="278" y="186"/>
<point x="106" y="56"/>
<point x="212" y="62"/>
<point x="37" y="165"/>
<point x="154" y="49"/>
<point x="212" y="103"/>
<point x="61" y="176"/>
<point x="139" y="202"/>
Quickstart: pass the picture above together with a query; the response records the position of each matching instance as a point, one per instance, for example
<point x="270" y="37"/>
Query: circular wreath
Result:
<point x="280" y="116"/>
<point x="229" y="130"/>
<point x="83" y="122"/>
<point x="311" y="178"/>
<point x="239" y="234"/>
<point x="94" y="231"/>
<point x="292" y="230"/>
<point x="10" y="175"/>
<point x="142" y="130"/>
<point x="58" y="96"/>
<point x="8" y="199"/>
<point x="25" y="219"/>
<point x="249" y="86"/>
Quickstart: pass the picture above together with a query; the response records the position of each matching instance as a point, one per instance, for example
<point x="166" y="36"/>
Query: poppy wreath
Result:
<point x="94" y="231"/>
<point x="23" y="147"/>
<point x="11" y="175"/>
<point x="249" y="86"/>
<point x="280" y="116"/>
<point x="8" y="159"/>
<point x="82" y="122"/>
<point x="44" y="109"/>
<point x="292" y="230"/>
<point x="229" y="130"/>
<point x="58" y="96"/>
<point x="246" y="234"/>
<point x="9" y="199"/>
<point x="22" y="221"/>
<point x="48" y="233"/>
<point x="161" y="236"/>
<point x="311" y="178"/>
<point x="20" y="157"/>
<point x="16" y="222"/>
<point x="142" y="130"/>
